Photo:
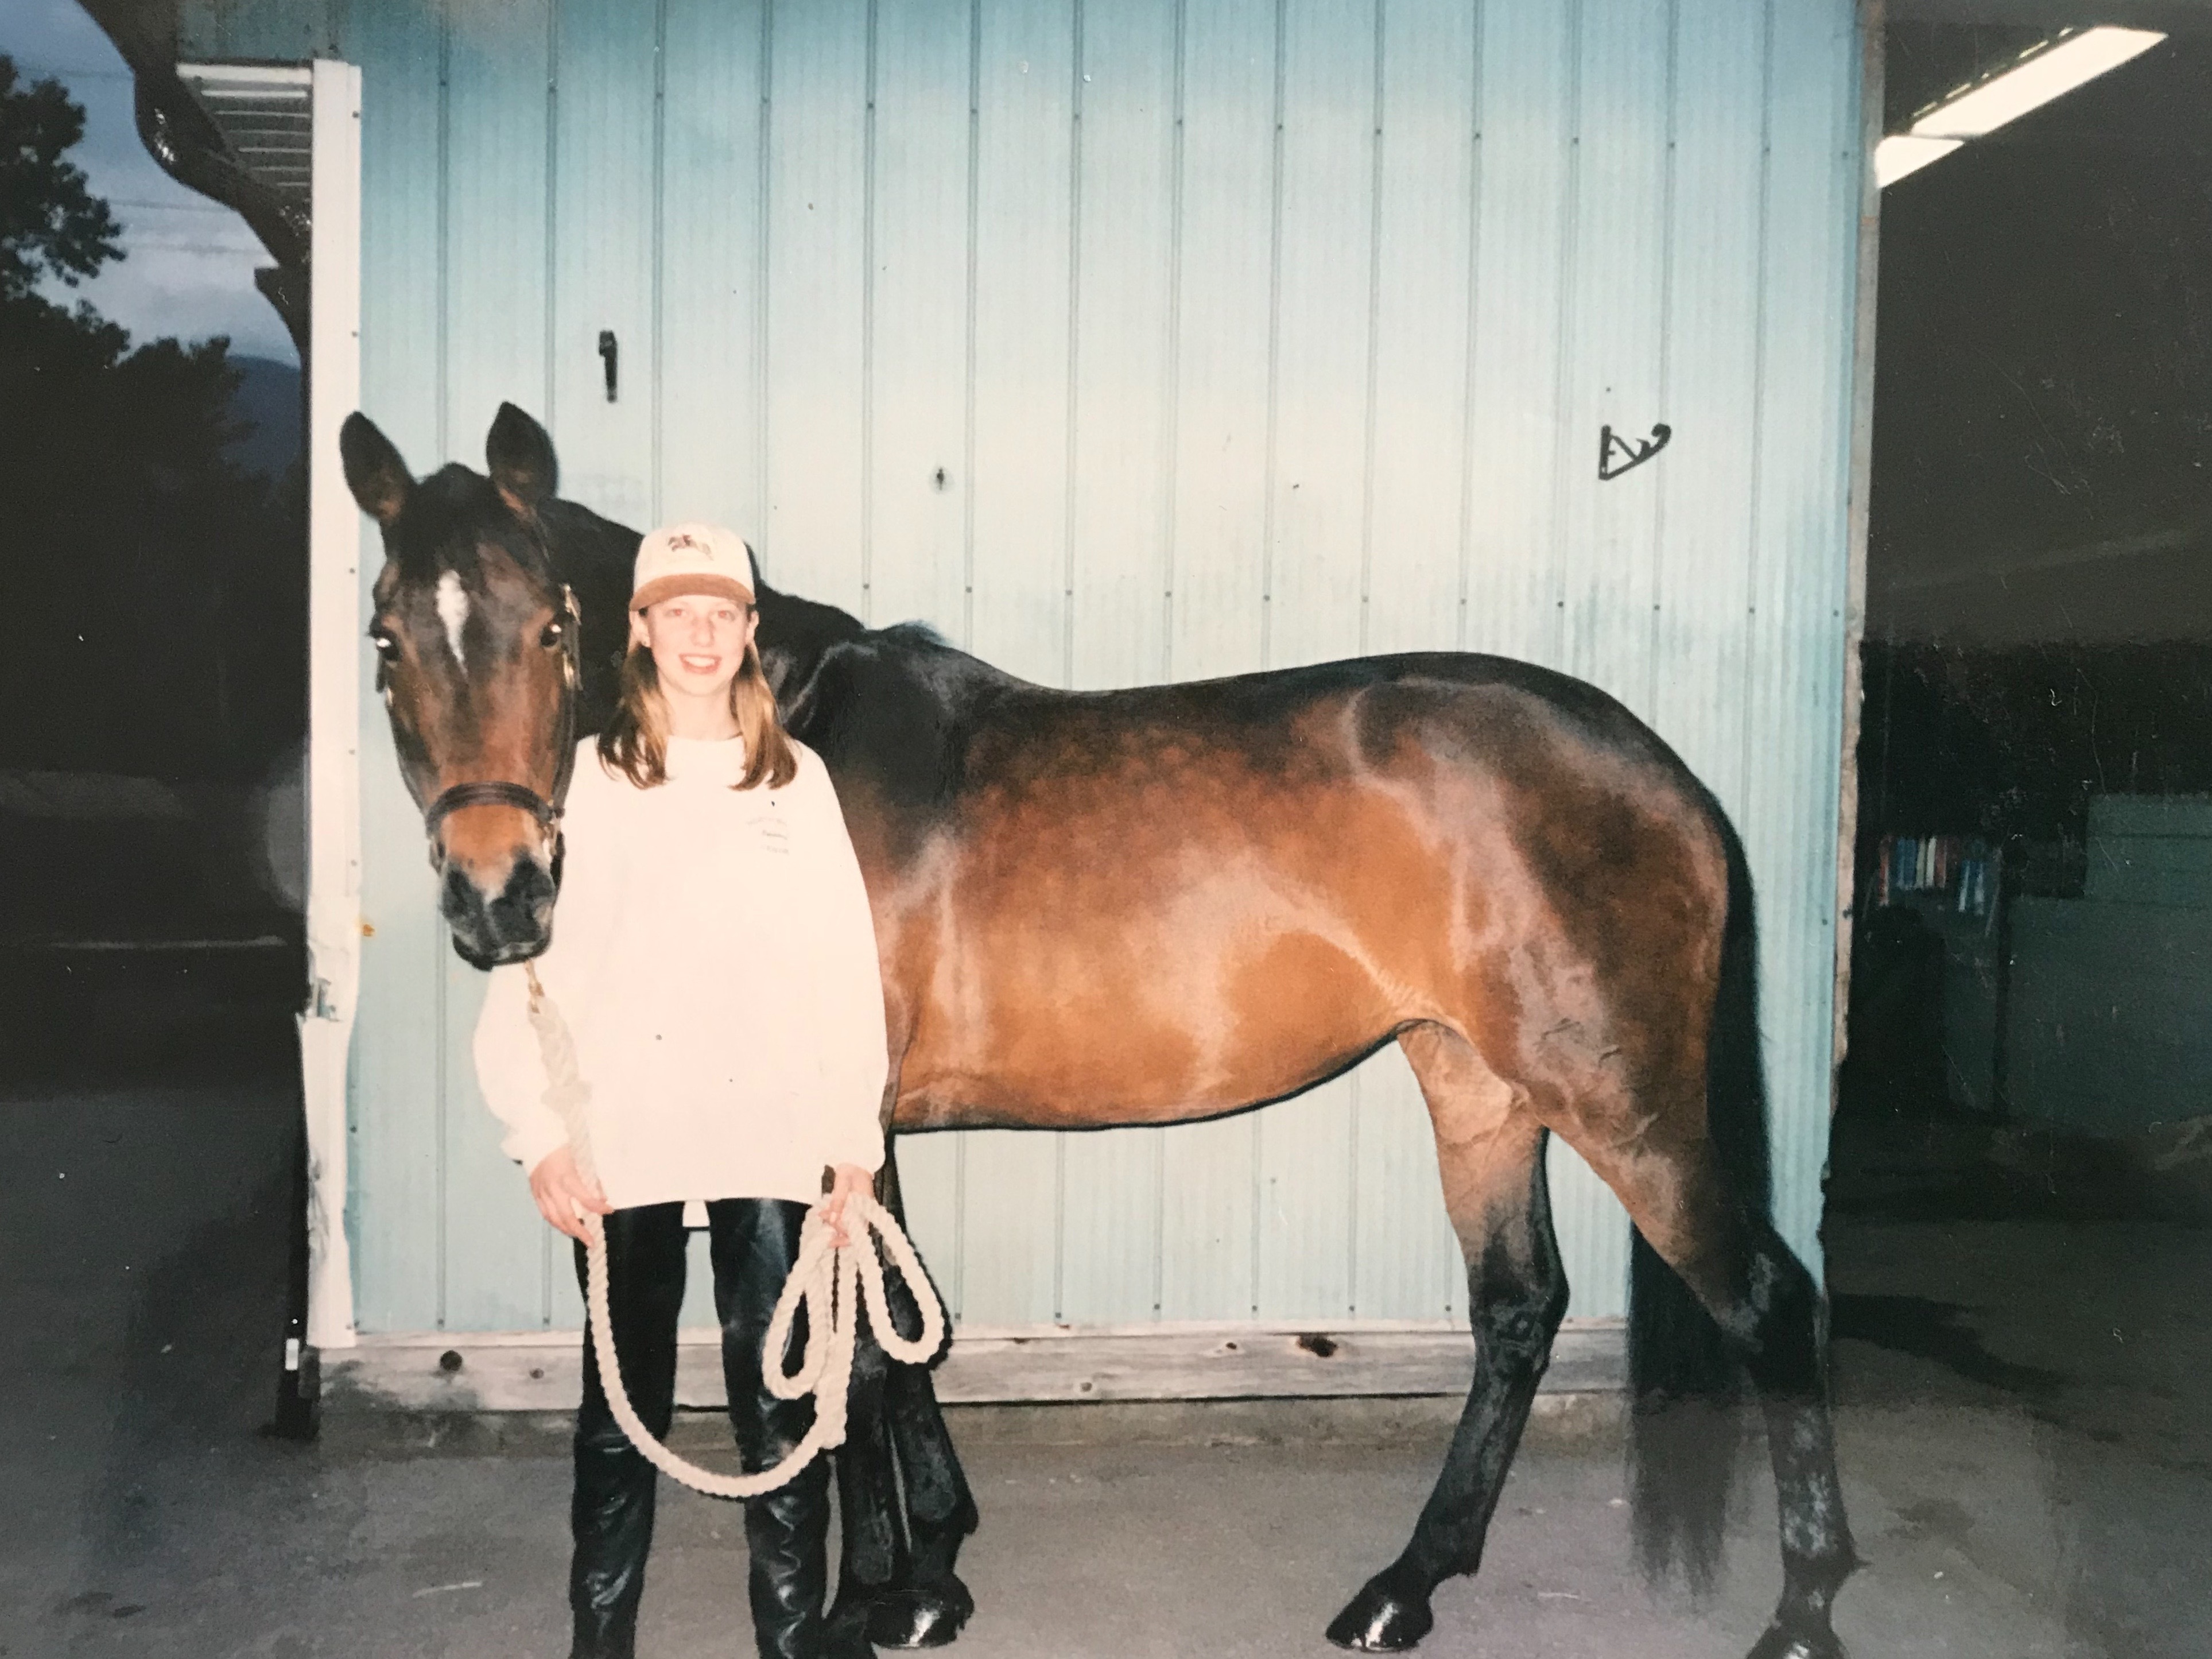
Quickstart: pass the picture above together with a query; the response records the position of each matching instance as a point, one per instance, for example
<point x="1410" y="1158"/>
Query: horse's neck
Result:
<point x="895" y="718"/>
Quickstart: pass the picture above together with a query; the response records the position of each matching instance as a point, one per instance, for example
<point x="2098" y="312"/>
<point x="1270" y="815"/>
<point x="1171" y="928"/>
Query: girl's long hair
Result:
<point x="635" y="742"/>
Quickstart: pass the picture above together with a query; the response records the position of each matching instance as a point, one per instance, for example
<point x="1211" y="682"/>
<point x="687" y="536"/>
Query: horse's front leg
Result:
<point x="901" y="1489"/>
<point x="940" y="1512"/>
<point x="872" y="1560"/>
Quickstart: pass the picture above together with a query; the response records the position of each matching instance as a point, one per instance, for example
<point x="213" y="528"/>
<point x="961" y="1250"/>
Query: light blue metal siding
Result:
<point x="1404" y="1255"/>
<point x="277" y="30"/>
<point x="1021" y="342"/>
<point x="1209" y="1197"/>
<point x="1107" y="1240"/>
<point x="493" y="332"/>
<point x="1790" y="804"/>
<point x="708" y="347"/>
<point x="1156" y="339"/>
<point x="1324" y="174"/>
<point x="397" y="1211"/>
<point x="814" y="256"/>
<point x="1604" y="567"/>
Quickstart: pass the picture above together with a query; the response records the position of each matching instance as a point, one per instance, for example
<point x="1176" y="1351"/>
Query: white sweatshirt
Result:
<point x="713" y="954"/>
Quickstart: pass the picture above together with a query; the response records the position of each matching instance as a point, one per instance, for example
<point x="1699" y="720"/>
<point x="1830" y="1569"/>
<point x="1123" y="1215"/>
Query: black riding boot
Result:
<point x="756" y="1242"/>
<point x="611" y="1516"/>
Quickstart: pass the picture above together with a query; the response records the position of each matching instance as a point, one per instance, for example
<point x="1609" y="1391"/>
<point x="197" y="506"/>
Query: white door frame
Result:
<point x="333" y="781"/>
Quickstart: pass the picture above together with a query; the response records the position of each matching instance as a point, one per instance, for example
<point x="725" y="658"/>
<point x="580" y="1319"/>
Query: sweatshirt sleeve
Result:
<point x="855" y="1062"/>
<point x="511" y="1072"/>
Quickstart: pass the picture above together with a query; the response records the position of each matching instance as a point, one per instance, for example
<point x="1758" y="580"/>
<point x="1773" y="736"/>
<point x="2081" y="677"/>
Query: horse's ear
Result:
<point x="379" y="480"/>
<point x="520" y="457"/>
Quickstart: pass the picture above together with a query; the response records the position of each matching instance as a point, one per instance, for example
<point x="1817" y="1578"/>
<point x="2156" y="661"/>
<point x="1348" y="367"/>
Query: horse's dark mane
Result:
<point x="595" y="557"/>
<point x="918" y="634"/>
<point x="587" y="547"/>
<point x="890" y="710"/>
<point x="450" y="509"/>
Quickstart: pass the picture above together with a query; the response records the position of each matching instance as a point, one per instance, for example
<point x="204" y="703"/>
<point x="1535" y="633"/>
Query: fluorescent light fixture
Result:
<point x="1901" y="153"/>
<point x="2050" y="72"/>
<point x="2034" y="82"/>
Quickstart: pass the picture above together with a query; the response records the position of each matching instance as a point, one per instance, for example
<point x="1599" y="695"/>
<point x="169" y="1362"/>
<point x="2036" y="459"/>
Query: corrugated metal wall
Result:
<point x="1126" y="341"/>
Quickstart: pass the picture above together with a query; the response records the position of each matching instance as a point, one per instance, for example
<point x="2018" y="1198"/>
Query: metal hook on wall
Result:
<point x="1617" y="454"/>
<point x="607" y="354"/>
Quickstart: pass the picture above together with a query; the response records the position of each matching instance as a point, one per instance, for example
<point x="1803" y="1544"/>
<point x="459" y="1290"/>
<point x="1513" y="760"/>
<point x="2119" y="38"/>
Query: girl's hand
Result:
<point x="850" y="1178"/>
<point x="560" y="1190"/>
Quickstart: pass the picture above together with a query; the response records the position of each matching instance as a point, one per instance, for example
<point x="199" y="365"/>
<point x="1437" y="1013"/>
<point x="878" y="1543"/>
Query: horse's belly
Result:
<point x="1055" y="1038"/>
<point x="1181" y="944"/>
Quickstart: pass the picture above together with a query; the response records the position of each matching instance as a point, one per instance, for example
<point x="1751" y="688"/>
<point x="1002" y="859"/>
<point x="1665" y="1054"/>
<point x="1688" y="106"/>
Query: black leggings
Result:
<point x="755" y="1241"/>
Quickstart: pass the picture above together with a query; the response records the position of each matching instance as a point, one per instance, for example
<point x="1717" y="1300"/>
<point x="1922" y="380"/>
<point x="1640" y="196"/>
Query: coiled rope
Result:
<point x="831" y="1283"/>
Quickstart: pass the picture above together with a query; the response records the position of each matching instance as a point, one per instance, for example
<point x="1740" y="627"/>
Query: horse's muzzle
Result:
<point x="513" y="925"/>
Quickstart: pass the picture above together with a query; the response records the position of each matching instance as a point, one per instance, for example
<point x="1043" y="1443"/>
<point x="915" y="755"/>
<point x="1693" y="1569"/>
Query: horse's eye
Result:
<point x="386" y="646"/>
<point x="555" y="631"/>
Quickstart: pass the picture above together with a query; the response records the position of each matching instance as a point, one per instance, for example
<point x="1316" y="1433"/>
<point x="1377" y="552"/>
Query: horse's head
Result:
<point x="476" y="642"/>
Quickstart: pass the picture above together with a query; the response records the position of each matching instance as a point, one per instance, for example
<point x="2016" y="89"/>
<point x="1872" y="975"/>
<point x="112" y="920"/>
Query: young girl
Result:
<point x="714" y="958"/>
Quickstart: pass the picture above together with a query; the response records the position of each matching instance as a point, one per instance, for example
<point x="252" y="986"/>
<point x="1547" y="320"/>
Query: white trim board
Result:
<point x="245" y="77"/>
<point x="334" y="654"/>
<point x="543" y="1370"/>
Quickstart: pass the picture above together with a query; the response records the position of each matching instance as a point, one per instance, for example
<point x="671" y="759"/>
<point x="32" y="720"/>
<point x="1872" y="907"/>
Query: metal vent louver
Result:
<point x="266" y="113"/>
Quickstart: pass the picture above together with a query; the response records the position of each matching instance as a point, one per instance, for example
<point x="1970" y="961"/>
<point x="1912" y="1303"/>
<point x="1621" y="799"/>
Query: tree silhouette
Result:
<point x="51" y="224"/>
<point x="154" y="590"/>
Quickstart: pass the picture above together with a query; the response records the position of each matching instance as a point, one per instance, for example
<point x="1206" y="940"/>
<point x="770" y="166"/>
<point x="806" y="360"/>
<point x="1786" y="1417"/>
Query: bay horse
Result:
<point x="1156" y="905"/>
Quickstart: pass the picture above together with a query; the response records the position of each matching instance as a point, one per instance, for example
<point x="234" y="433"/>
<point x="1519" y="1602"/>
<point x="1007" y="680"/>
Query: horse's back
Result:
<point x="1517" y="735"/>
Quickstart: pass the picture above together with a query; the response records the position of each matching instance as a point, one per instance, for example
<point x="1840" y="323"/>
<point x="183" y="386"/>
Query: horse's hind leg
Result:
<point x="1634" y="1025"/>
<point x="1780" y="1305"/>
<point x="1492" y="1156"/>
<point x="1768" y="1308"/>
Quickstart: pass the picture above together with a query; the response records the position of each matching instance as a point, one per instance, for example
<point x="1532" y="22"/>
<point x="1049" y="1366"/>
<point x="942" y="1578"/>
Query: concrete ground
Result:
<point x="2024" y="1435"/>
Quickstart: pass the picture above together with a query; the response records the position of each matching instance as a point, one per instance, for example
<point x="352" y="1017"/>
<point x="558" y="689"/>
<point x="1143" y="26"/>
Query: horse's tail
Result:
<point x="1684" y="1384"/>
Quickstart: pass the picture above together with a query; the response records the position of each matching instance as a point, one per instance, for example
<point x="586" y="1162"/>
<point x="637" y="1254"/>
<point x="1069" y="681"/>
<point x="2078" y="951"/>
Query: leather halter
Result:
<point x="498" y="792"/>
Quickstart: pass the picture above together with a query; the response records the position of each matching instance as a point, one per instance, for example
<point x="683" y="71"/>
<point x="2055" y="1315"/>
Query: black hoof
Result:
<point x="1382" y="1618"/>
<point x="1780" y="1643"/>
<point x="918" y="1618"/>
<point x="845" y="1636"/>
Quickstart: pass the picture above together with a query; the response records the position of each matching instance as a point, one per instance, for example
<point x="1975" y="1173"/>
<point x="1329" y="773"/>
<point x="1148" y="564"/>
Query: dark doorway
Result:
<point x="2021" y="1171"/>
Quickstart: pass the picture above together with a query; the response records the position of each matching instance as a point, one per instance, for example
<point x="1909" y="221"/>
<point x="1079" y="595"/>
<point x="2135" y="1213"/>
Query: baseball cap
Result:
<point x="692" y="558"/>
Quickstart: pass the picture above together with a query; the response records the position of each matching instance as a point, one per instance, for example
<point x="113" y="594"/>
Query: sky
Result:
<point x="189" y="265"/>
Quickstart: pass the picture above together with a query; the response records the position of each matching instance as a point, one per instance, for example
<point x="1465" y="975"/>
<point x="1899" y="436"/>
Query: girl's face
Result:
<point x="698" y="640"/>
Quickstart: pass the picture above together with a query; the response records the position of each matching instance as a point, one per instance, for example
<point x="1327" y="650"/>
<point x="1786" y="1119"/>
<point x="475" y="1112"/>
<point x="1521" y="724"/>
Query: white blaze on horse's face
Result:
<point x="454" y="612"/>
